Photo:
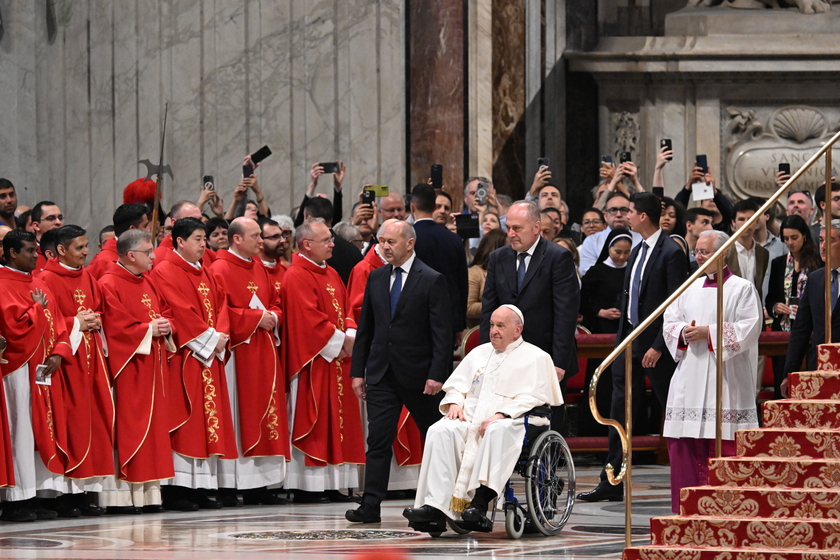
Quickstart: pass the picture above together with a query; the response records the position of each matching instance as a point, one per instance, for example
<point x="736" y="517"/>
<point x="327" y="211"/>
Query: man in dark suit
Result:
<point x="808" y="330"/>
<point x="442" y="250"/>
<point x="657" y="267"/>
<point x="402" y="355"/>
<point x="345" y="254"/>
<point x="539" y="278"/>
<point x="748" y="259"/>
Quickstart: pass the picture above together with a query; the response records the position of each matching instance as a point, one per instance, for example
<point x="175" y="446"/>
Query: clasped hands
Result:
<point x="457" y="413"/>
<point x="693" y="333"/>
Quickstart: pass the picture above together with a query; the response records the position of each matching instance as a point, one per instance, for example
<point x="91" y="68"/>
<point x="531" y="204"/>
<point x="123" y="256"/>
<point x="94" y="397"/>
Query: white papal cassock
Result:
<point x="456" y="459"/>
<point x="691" y="407"/>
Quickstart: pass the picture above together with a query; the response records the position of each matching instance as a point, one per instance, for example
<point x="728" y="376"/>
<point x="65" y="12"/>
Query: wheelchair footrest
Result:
<point x="482" y="526"/>
<point x="428" y="526"/>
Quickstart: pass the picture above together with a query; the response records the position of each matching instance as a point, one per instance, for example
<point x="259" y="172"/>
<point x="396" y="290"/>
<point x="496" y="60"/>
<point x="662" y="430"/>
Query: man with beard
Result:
<point x="272" y="249"/>
<point x="8" y="203"/>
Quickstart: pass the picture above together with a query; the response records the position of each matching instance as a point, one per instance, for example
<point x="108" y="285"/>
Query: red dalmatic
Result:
<point x="103" y="258"/>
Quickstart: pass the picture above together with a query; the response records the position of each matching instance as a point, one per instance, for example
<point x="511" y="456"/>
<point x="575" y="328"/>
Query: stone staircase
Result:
<point x="779" y="498"/>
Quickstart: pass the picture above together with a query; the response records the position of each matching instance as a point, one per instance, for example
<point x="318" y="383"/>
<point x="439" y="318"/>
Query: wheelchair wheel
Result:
<point x="514" y="522"/>
<point x="550" y="483"/>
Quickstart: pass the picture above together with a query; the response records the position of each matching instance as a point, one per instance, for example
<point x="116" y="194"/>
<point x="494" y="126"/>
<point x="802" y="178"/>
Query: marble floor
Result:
<point x="594" y="531"/>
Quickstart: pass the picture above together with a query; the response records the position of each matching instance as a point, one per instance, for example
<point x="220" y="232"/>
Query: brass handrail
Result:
<point x="717" y="259"/>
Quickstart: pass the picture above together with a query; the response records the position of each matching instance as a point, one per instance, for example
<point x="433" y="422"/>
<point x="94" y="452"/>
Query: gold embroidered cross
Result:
<point x="331" y="290"/>
<point x="146" y="300"/>
<point x="252" y="287"/>
<point x="203" y="289"/>
<point x="277" y="285"/>
<point x="79" y="296"/>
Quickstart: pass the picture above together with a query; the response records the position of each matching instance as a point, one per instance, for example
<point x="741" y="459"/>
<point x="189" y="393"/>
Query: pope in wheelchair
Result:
<point x="471" y="453"/>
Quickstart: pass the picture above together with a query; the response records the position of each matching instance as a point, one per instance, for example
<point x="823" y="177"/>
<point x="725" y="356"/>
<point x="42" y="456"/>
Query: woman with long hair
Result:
<point x="788" y="276"/>
<point x="477" y="273"/>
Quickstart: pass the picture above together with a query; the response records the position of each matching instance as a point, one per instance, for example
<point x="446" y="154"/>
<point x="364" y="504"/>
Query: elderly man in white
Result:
<point x="471" y="452"/>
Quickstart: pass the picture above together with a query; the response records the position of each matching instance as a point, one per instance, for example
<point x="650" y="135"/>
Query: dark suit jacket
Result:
<point x="443" y="251"/>
<point x="762" y="260"/>
<point x="808" y="329"/>
<point x="417" y="342"/>
<point x="345" y="257"/>
<point x="664" y="273"/>
<point x="549" y="300"/>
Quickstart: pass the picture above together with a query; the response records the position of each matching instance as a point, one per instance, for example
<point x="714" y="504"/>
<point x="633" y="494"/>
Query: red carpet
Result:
<point x="780" y="497"/>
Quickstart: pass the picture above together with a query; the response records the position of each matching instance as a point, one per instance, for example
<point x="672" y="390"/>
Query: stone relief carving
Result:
<point x="761" y="138"/>
<point x="625" y="127"/>
<point x="805" y="6"/>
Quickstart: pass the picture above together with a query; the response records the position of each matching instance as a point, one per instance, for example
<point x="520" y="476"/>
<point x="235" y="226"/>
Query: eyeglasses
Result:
<point x="286" y="233"/>
<point x="701" y="253"/>
<point x="147" y="253"/>
<point x="275" y="237"/>
<point x="591" y="223"/>
<point x="806" y="193"/>
<point x="324" y="241"/>
<point x="614" y="211"/>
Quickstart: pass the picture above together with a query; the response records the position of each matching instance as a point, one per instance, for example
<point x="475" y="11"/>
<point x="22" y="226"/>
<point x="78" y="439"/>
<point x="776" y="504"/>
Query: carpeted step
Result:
<point x="724" y="553"/>
<point x="788" y="442"/>
<point x="771" y="472"/>
<point x="728" y="501"/>
<point x="822" y="385"/>
<point x="790" y="413"/>
<point x="791" y="533"/>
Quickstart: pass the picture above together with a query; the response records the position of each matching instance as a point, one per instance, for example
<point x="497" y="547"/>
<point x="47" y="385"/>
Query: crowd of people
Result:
<point x="223" y="354"/>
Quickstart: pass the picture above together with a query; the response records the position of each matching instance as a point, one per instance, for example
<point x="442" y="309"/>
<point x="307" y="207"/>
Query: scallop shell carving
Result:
<point x="799" y="124"/>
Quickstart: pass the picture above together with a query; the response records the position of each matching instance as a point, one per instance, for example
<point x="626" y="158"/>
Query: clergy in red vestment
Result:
<point x="201" y="425"/>
<point x="46" y="215"/>
<point x="318" y="339"/>
<point x="408" y="444"/>
<point x="139" y="338"/>
<point x="256" y="383"/>
<point x="36" y="336"/>
<point x="274" y="243"/>
<point x="86" y="382"/>
<point x="182" y="209"/>
<point x="126" y="217"/>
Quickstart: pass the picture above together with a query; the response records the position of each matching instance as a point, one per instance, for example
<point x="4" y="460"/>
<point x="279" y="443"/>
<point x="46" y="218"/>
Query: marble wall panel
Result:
<point x="436" y="92"/>
<point x="78" y="195"/>
<point x="124" y="79"/>
<point x="480" y="95"/>
<point x="102" y="181"/>
<point x="391" y="93"/>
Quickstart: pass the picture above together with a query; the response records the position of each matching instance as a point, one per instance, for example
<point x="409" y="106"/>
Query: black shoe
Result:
<point x="17" y="514"/>
<point x="44" y="513"/>
<point x="180" y="504"/>
<point x="153" y="508"/>
<point x="475" y="519"/>
<point x="63" y="510"/>
<point x="336" y="496"/>
<point x="123" y="510"/>
<point x="304" y="497"/>
<point x="365" y="513"/>
<point x="603" y="492"/>
<point x="228" y="499"/>
<point x="90" y="510"/>
<point x="257" y="496"/>
<point x="208" y="503"/>
<point x="424" y="514"/>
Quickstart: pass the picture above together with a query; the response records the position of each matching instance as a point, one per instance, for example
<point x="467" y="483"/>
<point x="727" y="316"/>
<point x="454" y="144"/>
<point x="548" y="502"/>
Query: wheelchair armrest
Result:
<point x="543" y="411"/>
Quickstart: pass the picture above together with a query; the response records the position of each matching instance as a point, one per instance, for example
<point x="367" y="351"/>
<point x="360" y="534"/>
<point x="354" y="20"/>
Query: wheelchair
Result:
<point x="548" y="476"/>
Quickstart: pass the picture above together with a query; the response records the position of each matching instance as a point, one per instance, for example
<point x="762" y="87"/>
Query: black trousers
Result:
<point x="384" y="404"/>
<point x="660" y="380"/>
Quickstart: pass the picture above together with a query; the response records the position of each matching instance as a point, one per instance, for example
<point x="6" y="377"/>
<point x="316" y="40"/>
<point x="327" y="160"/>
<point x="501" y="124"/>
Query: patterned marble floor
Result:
<point x="594" y="531"/>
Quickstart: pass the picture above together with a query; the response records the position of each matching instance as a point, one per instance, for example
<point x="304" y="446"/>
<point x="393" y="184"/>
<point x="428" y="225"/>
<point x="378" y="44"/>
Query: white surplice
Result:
<point x="691" y="408"/>
<point x="456" y="459"/>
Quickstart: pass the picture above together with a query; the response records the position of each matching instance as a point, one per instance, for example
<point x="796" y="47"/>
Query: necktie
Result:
<point x="833" y="288"/>
<point x="520" y="272"/>
<point x="637" y="284"/>
<point x="396" y="289"/>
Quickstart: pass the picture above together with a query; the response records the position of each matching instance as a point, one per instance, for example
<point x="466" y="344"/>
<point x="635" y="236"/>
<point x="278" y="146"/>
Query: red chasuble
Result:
<point x="166" y="246"/>
<point x="40" y="263"/>
<point x="87" y="386"/>
<point x="33" y="334"/>
<point x="201" y="423"/>
<point x="260" y="383"/>
<point x="327" y="425"/>
<point x="143" y="448"/>
<point x="408" y="444"/>
<point x="103" y="258"/>
<point x="276" y="274"/>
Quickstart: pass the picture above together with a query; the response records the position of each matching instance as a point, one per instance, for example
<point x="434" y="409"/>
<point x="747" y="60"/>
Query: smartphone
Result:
<point x="436" y="176"/>
<point x="481" y="192"/>
<point x="606" y="159"/>
<point x="659" y="192"/>
<point x="368" y="196"/>
<point x="793" y="301"/>
<point x="624" y="156"/>
<point x="208" y="182"/>
<point x="466" y="226"/>
<point x="666" y="143"/>
<point x="379" y="190"/>
<point x="330" y="166"/>
<point x="702" y="162"/>
<point x="542" y="162"/>
<point x="260" y="154"/>
<point x="247" y="170"/>
<point x="784" y="168"/>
